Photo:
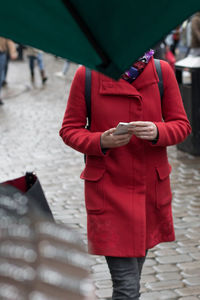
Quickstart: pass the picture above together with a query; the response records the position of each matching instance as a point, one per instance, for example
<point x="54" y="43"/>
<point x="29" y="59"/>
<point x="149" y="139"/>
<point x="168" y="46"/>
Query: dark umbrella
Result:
<point x="106" y="35"/>
<point x="39" y="260"/>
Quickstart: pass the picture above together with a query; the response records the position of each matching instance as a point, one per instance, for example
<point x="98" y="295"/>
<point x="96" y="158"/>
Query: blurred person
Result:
<point x="185" y="39"/>
<point x="6" y="45"/>
<point x="127" y="185"/>
<point x="175" y="39"/>
<point x="170" y="57"/>
<point x="4" y="83"/>
<point x="195" y="35"/>
<point x="36" y="55"/>
<point x="162" y="50"/>
<point x="64" y="69"/>
<point x="169" y="54"/>
<point x="20" y="51"/>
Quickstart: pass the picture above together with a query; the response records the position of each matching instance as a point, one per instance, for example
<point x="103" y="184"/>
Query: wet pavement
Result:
<point x="30" y="121"/>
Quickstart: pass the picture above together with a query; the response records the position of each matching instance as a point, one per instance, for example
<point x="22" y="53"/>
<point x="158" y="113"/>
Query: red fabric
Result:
<point x="127" y="191"/>
<point x="169" y="56"/>
<point x="18" y="183"/>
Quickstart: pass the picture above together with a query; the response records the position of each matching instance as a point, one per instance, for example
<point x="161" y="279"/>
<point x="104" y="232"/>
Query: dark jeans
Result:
<point x="39" y="59"/>
<point x="2" y="67"/>
<point x="125" y="273"/>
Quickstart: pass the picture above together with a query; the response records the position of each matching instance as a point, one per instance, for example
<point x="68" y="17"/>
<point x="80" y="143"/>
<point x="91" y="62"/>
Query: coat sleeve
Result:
<point x="73" y="130"/>
<point x="175" y="126"/>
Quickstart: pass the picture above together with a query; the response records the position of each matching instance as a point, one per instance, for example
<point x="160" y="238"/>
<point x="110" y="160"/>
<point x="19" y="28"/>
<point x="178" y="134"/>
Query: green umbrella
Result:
<point x="106" y="35"/>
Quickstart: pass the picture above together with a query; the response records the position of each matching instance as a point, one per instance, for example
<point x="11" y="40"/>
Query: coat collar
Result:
<point x="109" y="86"/>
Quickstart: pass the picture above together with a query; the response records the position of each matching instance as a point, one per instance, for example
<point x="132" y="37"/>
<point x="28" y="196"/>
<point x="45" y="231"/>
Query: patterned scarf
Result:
<point x="137" y="68"/>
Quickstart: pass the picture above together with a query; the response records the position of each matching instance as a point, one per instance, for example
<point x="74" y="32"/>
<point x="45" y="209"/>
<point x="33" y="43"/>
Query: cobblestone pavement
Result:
<point x="30" y="121"/>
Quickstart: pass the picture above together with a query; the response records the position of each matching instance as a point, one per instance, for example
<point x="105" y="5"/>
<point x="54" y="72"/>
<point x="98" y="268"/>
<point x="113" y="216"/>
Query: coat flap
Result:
<point x="92" y="173"/>
<point x="164" y="171"/>
<point x="121" y="87"/>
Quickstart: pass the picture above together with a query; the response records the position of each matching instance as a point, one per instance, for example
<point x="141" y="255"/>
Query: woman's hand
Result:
<point x="108" y="140"/>
<point x="144" y="130"/>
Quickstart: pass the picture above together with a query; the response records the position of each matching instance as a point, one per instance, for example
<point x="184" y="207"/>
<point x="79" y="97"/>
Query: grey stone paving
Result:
<point x="30" y="121"/>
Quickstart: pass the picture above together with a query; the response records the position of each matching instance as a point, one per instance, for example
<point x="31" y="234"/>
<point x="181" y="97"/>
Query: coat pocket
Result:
<point x="163" y="189"/>
<point x="94" y="192"/>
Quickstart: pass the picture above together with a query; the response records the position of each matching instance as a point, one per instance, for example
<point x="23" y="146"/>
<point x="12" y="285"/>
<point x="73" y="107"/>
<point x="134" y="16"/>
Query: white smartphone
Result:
<point x="122" y="128"/>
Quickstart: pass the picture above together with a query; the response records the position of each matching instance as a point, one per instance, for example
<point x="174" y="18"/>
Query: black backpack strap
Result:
<point x="159" y="72"/>
<point x="88" y="76"/>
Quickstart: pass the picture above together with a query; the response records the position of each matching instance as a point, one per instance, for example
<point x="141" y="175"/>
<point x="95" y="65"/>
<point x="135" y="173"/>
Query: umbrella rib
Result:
<point x="86" y="30"/>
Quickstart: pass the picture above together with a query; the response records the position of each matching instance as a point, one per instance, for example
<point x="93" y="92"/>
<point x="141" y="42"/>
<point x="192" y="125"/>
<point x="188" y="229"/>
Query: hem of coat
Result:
<point x="102" y="252"/>
<point x="155" y="243"/>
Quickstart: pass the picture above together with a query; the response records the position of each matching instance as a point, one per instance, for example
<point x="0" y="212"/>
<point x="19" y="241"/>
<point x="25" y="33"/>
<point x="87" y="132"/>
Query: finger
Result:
<point x="109" y="131"/>
<point x="122" y="136"/>
<point x="147" y="129"/>
<point x="122" y="139"/>
<point x="142" y="129"/>
<point x="136" y="128"/>
<point x="140" y="123"/>
<point x="145" y="134"/>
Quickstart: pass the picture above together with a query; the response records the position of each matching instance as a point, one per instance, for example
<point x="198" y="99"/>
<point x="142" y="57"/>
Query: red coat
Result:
<point x="127" y="190"/>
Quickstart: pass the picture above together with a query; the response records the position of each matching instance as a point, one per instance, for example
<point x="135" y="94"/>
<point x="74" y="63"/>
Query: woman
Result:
<point x="36" y="54"/>
<point x="127" y="188"/>
<point x="195" y="35"/>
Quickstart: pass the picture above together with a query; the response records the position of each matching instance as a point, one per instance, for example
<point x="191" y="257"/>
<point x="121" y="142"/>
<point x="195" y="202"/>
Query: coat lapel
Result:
<point x="147" y="77"/>
<point x="109" y="86"/>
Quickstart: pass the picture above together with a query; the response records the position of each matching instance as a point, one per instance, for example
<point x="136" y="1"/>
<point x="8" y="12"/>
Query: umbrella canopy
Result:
<point x="106" y="35"/>
<point x="38" y="258"/>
